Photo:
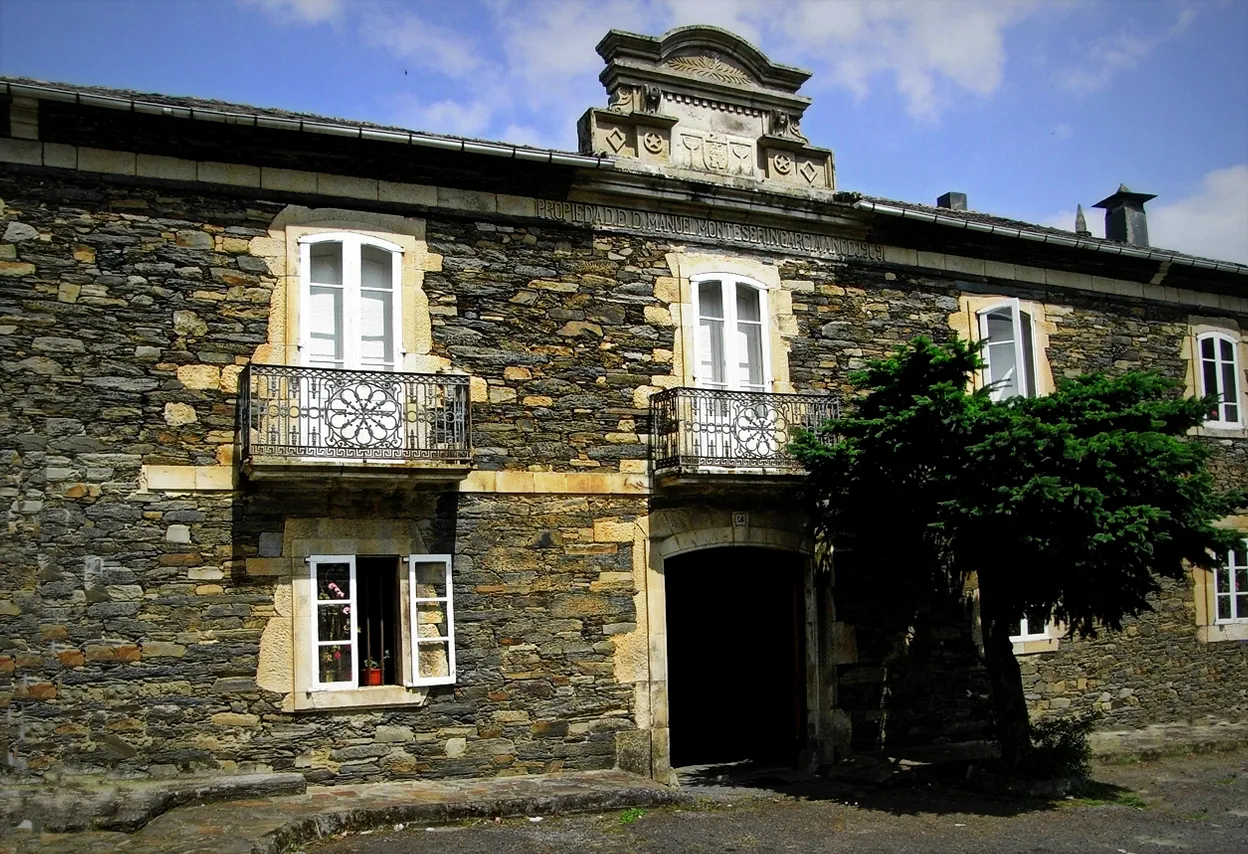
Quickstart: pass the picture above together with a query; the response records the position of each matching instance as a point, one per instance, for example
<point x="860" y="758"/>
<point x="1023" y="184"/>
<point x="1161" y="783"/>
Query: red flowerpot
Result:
<point x="371" y="675"/>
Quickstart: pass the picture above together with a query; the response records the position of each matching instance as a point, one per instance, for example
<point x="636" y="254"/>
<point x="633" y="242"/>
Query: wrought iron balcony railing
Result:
<point x="703" y="429"/>
<point x="299" y="414"/>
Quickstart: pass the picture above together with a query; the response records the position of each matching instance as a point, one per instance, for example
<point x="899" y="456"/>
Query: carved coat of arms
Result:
<point x="716" y="154"/>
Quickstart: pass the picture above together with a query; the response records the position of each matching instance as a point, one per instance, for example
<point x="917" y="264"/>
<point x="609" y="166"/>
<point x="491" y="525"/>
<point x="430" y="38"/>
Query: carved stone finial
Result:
<point x="1081" y="224"/>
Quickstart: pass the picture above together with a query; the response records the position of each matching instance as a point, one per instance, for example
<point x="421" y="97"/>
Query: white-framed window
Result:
<point x="1009" y="350"/>
<point x="351" y="301"/>
<point x="1218" y="373"/>
<point x="381" y="620"/>
<point x="1230" y="587"/>
<point x="731" y="347"/>
<point x="1031" y="631"/>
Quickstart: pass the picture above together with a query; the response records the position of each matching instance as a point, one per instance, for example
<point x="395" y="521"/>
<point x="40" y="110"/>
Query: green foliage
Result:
<point x="1060" y="748"/>
<point x="631" y="814"/>
<point x="1104" y="795"/>
<point x="1067" y="507"/>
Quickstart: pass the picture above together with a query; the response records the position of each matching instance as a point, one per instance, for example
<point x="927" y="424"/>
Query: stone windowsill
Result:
<point x="1217" y="432"/>
<point x="1223" y="632"/>
<point x="358" y="698"/>
<point x="1032" y="647"/>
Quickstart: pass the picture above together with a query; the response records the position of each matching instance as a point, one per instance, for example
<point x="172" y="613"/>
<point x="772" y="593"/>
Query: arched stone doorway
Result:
<point x="762" y="539"/>
<point x="736" y="656"/>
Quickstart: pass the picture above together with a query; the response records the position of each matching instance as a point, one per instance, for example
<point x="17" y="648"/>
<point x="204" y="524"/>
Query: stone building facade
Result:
<point x="284" y="396"/>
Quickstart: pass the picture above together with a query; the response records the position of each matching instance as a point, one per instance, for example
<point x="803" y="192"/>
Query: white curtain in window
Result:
<point x="324" y="317"/>
<point x="712" y="369"/>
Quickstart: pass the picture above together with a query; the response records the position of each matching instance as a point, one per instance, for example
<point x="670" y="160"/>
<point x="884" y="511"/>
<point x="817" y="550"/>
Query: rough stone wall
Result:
<point x="556" y="323"/>
<point x="130" y="628"/>
<point x="1154" y="671"/>
<point x="115" y="616"/>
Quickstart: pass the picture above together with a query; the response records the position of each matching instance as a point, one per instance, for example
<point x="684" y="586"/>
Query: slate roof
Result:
<point x="185" y="102"/>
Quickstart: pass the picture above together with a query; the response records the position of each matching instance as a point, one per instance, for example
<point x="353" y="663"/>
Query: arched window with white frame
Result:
<point x="1218" y="374"/>
<point x="731" y="346"/>
<point x="351" y="292"/>
<point x="1009" y="350"/>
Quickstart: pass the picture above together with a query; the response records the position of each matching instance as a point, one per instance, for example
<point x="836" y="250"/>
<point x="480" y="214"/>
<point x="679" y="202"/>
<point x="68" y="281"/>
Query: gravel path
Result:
<point x="1191" y="804"/>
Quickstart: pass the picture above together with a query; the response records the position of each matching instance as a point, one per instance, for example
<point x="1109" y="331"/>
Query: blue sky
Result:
<point x="1028" y="106"/>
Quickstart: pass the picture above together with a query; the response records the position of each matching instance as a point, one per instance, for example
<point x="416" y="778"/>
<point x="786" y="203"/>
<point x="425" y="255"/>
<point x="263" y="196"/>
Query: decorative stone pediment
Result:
<point x="703" y="99"/>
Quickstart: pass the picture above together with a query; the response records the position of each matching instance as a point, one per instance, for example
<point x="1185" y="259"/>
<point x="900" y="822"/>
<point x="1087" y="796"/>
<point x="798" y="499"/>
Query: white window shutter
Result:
<point x="431" y="621"/>
<point x="1024" y="380"/>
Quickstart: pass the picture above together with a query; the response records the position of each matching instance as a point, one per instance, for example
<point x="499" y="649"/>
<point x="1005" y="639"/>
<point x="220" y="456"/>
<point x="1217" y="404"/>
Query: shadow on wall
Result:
<point x="919" y="678"/>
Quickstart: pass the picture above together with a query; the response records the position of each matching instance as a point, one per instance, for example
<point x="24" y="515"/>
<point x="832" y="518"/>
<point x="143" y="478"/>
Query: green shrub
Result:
<point x="1060" y="748"/>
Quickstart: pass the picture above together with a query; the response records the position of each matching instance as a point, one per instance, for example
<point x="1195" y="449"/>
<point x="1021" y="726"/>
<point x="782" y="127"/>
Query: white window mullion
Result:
<point x="732" y="334"/>
<point x="764" y="314"/>
<point x="351" y="298"/>
<point x="305" y="295"/>
<point x="696" y="305"/>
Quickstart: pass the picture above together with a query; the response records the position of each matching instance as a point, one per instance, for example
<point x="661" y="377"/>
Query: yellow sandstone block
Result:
<point x="613" y="531"/>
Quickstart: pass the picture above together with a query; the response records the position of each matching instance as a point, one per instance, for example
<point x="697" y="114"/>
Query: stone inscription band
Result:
<point x="671" y="225"/>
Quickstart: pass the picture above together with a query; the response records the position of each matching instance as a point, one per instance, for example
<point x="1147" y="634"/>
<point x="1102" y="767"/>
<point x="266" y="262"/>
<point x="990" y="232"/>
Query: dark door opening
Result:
<point x="736" y="653"/>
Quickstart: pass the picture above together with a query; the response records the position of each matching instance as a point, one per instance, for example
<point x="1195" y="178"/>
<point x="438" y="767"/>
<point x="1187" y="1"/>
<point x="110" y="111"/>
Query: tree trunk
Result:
<point x="1006" y="679"/>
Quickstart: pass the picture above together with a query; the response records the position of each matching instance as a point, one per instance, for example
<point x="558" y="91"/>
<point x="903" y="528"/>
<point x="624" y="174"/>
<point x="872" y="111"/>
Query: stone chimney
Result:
<point x="1124" y="216"/>
<point x="705" y="100"/>
<point x="952" y="201"/>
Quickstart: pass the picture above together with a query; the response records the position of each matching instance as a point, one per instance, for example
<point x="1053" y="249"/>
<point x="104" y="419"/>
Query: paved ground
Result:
<point x="279" y="824"/>
<point x="1194" y="804"/>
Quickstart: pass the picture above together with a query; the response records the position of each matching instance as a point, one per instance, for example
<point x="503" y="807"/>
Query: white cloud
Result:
<point x="1111" y="55"/>
<point x="536" y="59"/>
<point x="423" y="43"/>
<point x="299" y="11"/>
<point x="929" y="49"/>
<point x="1211" y="222"/>
<point x="455" y="117"/>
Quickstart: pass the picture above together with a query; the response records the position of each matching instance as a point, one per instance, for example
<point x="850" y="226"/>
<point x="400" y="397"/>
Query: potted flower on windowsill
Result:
<point x="371" y="671"/>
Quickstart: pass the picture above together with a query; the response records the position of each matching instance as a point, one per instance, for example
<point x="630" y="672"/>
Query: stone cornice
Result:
<point x="731" y="204"/>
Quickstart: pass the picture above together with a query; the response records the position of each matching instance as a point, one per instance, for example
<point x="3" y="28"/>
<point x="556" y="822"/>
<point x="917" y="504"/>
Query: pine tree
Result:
<point x="1069" y="507"/>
